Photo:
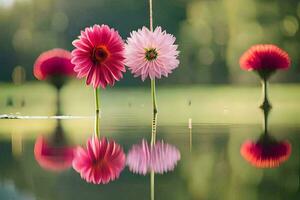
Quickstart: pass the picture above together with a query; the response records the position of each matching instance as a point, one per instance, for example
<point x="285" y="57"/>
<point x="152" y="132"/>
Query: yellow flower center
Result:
<point x="151" y="54"/>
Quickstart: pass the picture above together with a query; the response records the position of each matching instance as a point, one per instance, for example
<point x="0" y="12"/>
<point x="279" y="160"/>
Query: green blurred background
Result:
<point x="212" y="34"/>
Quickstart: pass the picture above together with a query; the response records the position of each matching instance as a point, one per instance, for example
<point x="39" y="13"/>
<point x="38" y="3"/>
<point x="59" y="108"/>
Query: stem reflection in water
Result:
<point x="153" y="140"/>
<point x="97" y="110"/>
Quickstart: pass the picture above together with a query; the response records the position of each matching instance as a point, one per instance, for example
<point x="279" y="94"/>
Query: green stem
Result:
<point x="152" y="185"/>
<point x="58" y="102"/>
<point x="265" y="122"/>
<point x="266" y="112"/>
<point x="153" y="94"/>
<point x="97" y="109"/>
<point x="266" y="103"/>
<point x="151" y="15"/>
<point x="154" y="125"/>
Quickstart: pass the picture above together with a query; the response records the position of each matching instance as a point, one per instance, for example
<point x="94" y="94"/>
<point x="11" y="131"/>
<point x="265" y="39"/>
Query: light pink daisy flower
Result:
<point x="152" y="54"/>
<point x="99" y="56"/>
<point x="159" y="158"/>
<point x="101" y="162"/>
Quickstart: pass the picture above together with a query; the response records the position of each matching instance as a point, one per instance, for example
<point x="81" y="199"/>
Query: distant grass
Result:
<point x="132" y="106"/>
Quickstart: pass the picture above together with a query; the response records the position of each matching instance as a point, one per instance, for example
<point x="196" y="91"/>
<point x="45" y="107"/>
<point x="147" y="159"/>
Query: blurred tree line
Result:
<point x="212" y="34"/>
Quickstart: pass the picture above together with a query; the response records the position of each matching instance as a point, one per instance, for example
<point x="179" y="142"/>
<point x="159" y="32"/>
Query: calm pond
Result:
<point x="217" y="145"/>
<point x="210" y="165"/>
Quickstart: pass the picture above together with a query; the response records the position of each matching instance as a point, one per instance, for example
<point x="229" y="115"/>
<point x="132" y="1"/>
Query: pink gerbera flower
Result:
<point x="53" y="158"/>
<point x="99" y="56"/>
<point x="159" y="158"/>
<point x="265" y="58"/>
<point x="54" y="65"/>
<point x="266" y="153"/>
<point x="152" y="54"/>
<point x="101" y="162"/>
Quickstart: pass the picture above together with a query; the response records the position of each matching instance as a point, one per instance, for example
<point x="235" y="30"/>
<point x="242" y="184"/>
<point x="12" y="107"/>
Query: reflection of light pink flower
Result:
<point x="164" y="157"/>
<point x="138" y="158"/>
<point x="266" y="154"/>
<point x="99" y="56"/>
<point x="159" y="158"/>
<point x="56" y="62"/>
<point x="152" y="54"/>
<point x="53" y="158"/>
<point x="266" y="57"/>
<point x="101" y="162"/>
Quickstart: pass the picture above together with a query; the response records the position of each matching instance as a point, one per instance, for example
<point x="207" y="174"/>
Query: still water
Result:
<point x="211" y="165"/>
<point x="214" y="161"/>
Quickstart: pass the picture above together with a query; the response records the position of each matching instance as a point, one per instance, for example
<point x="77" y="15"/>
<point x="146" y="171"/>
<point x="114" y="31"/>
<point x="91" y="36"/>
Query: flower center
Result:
<point x="151" y="54"/>
<point x="100" y="54"/>
<point x="98" y="164"/>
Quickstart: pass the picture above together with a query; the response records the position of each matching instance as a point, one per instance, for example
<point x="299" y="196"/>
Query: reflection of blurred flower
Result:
<point x="151" y="54"/>
<point x="264" y="59"/>
<point x="53" y="63"/>
<point x="99" y="56"/>
<point x="101" y="162"/>
<point x="266" y="153"/>
<point x="53" y="158"/>
<point x="159" y="158"/>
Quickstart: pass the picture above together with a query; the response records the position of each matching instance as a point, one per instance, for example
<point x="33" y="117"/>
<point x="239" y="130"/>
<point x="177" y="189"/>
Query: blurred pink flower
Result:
<point x="266" y="153"/>
<point x="53" y="158"/>
<point x="101" y="162"/>
<point x="52" y="63"/>
<point x="265" y="57"/>
<point x="159" y="158"/>
<point x="151" y="54"/>
<point x="99" y="56"/>
<point x="138" y="158"/>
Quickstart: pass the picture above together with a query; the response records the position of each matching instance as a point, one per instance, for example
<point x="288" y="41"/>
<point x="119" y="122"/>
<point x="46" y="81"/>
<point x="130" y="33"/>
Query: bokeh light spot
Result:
<point x="19" y="75"/>
<point x="60" y="22"/>
<point x="290" y="25"/>
<point x="7" y="3"/>
<point x="206" y="56"/>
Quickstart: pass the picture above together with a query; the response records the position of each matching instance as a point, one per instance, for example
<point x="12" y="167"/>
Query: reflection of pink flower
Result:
<point x="101" y="162"/>
<point x="266" y="154"/>
<point x="159" y="158"/>
<point x="152" y="54"/>
<point x="51" y="157"/>
<point x="56" y="62"/>
<point x="264" y="57"/>
<point x="99" y="56"/>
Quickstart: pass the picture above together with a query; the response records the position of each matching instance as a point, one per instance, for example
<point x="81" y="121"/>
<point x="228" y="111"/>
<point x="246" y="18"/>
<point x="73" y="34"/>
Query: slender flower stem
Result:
<point x="266" y="106"/>
<point x="266" y="103"/>
<point x="97" y="108"/>
<point x="153" y="94"/>
<point x="58" y="104"/>
<point x="151" y="14"/>
<point x="265" y="90"/>
<point x="153" y="132"/>
<point x="152" y="185"/>
<point x="265" y="124"/>
<point x="153" y="140"/>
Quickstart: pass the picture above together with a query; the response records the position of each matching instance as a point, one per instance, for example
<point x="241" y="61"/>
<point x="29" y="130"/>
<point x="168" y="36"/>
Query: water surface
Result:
<point x="211" y="166"/>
